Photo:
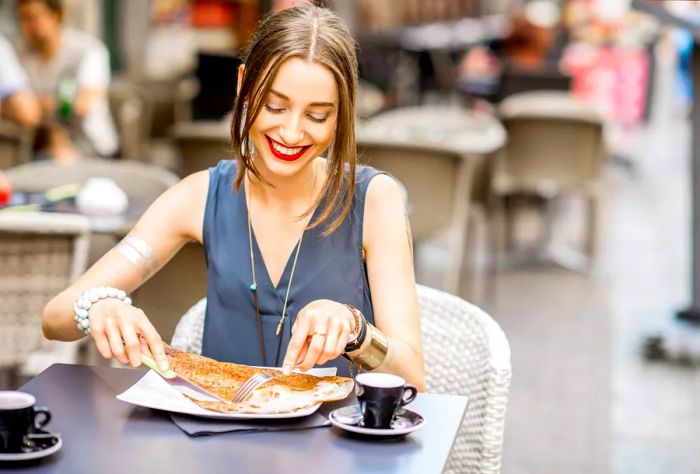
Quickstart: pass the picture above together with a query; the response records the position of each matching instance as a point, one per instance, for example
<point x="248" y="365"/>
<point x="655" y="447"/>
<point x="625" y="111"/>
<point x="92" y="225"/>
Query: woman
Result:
<point x="309" y="258"/>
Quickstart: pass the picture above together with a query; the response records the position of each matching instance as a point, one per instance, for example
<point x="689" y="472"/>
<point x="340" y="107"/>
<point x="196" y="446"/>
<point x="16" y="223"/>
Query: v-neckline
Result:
<point x="284" y="276"/>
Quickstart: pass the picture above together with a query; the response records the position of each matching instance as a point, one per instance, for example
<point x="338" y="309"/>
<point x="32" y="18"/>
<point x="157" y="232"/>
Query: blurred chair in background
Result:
<point x="133" y="116"/>
<point x="15" y="144"/>
<point x="555" y="148"/>
<point x="40" y="255"/>
<point x="175" y="288"/>
<point x="442" y="156"/>
<point x="438" y="183"/>
<point x="201" y="144"/>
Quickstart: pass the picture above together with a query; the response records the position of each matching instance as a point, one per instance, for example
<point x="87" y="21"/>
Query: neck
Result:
<point x="295" y="193"/>
<point x="48" y="49"/>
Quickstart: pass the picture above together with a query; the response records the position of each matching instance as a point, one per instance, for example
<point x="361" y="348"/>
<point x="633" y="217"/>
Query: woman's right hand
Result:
<point x="123" y="332"/>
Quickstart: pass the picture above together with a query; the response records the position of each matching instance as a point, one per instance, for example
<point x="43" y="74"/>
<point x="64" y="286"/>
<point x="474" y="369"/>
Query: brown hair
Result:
<point x="56" y="6"/>
<point x="318" y="35"/>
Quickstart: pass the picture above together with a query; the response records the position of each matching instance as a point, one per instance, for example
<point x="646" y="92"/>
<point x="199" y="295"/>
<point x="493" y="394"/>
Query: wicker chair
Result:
<point x="466" y="353"/>
<point x="40" y="255"/>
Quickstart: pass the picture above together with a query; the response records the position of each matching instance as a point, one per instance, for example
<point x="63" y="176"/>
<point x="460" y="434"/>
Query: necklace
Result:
<point x="254" y="287"/>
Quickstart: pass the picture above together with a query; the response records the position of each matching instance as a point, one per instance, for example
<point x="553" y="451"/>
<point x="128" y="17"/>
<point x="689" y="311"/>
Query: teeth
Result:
<point x="286" y="151"/>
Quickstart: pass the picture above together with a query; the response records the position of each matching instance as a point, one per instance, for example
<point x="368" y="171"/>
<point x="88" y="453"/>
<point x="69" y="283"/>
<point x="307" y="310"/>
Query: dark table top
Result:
<point x="102" y="434"/>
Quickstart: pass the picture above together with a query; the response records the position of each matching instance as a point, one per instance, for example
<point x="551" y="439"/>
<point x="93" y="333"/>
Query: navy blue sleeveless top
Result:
<point x="330" y="267"/>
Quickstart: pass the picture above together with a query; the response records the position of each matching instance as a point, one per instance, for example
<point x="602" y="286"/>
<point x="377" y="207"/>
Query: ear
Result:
<point x="241" y="72"/>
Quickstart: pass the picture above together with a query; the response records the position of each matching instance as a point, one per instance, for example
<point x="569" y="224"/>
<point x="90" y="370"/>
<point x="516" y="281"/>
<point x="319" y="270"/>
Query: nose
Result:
<point x="291" y="132"/>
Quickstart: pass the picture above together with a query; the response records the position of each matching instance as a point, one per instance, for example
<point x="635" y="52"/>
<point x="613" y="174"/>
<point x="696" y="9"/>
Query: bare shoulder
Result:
<point x="384" y="208"/>
<point x="384" y="194"/>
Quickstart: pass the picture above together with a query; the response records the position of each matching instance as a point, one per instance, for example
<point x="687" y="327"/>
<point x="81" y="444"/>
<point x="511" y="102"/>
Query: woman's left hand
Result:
<point x="320" y="333"/>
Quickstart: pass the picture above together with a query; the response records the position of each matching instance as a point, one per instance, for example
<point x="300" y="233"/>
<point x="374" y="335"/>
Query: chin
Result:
<point x="278" y="167"/>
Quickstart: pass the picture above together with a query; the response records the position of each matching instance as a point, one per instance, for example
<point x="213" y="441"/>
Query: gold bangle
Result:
<point x="375" y="352"/>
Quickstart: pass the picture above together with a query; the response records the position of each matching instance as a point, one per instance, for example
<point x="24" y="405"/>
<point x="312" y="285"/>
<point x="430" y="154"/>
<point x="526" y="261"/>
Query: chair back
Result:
<point x="40" y="255"/>
<point x="133" y="116"/>
<point x="138" y="180"/>
<point x="554" y="143"/>
<point x="15" y="144"/>
<point x="431" y="179"/>
<point x="201" y="145"/>
<point x="186" y="271"/>
<point x="466" y="353"/>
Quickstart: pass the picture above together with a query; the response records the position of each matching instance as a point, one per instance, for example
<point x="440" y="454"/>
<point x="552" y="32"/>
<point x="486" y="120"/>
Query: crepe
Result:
<point x="283" y="394"/>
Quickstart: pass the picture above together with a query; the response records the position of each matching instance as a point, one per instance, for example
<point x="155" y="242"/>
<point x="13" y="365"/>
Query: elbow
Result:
<point x="48" y="328"/>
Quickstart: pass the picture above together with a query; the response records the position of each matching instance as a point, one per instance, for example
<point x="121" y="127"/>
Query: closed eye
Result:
<point x="274" y="110"/>
<point x="319" y="118"/>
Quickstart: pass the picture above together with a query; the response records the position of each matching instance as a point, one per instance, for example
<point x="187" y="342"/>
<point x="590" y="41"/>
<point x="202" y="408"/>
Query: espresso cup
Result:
<point x="381" y="396"/>
<point x="19" y="417"/>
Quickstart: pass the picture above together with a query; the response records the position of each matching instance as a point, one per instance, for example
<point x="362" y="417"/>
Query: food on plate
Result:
<point x="282" y="394"/>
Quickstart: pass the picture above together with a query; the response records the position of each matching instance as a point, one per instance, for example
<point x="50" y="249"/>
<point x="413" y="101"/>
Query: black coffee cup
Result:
<point x="19" y="417"/>
<point x="381" y="396"/>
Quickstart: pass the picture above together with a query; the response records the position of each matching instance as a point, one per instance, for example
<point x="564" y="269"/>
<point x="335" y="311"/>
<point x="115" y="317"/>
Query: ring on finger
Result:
<point x="318" y="333"/>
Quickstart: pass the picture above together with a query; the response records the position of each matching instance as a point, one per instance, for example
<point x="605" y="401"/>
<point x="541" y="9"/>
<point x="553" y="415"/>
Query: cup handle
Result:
<point x="412" y="393"/>
<point x="39" y="420"/>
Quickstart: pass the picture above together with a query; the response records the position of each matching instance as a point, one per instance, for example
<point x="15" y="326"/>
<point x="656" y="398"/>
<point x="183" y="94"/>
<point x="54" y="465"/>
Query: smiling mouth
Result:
<point x="285" y="153"/>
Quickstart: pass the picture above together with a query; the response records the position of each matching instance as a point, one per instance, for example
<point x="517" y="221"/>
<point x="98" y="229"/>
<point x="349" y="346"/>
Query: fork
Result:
<point x="249" y="386"/>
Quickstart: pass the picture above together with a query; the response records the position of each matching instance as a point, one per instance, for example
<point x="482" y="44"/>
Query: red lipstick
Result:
<point x="282" y="156"/>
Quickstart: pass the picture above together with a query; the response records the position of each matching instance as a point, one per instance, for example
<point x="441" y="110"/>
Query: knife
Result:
<point x="180" y="383"/>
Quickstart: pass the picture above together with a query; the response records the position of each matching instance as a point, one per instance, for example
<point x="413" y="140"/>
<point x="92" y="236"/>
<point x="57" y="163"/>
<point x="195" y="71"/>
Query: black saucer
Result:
<point x="349" y="419"/>
<point x="38" y="445"/>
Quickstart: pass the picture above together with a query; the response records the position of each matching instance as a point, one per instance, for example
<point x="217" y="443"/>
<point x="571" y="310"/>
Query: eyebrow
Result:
<point x="312" y="104"/>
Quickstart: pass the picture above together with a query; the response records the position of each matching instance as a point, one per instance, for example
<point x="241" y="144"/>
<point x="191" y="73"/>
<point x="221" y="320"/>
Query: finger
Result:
<point x="299" y="333"/>
<point x="115" y="341"/>
<point x="145" y="349"/>
<point x="155" y="343"/>
<point x="100" y="338"/>
<point x="314" y="351"/>
<point x="342" y="341"/>
<point x="131" y="342"/>
<point x="302" y="354"/>
<point x="330" y="344"/>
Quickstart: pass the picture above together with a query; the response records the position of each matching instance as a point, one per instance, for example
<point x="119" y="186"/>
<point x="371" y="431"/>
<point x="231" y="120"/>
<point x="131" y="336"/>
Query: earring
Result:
<point x="246" y="141"/>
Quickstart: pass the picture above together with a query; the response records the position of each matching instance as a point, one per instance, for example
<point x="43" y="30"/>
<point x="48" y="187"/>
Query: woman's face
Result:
<point x="297" y="121"/>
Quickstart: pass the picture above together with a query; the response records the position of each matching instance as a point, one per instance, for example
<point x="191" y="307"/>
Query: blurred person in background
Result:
<point x="17" y="102"/>
<point x="69" y="71"/>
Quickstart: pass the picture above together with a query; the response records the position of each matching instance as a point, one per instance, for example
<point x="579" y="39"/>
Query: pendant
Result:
<point x="279" y="327"/>
<point x="253" y="287"/>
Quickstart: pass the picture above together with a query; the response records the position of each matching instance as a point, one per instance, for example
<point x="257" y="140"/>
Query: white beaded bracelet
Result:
<point x="90" y="297"/>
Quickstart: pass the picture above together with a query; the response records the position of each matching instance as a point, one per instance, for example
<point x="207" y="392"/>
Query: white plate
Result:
<point x="34" y="454"/>
<point x="152" y="391"/>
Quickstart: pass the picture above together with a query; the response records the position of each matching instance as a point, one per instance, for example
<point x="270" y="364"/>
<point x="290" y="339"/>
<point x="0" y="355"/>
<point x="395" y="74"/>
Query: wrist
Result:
<point x="358" y="333"/>
<point x="90" y="298"/>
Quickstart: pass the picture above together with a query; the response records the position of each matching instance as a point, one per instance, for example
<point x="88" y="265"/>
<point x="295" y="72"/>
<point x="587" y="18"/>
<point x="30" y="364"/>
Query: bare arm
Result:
<point x="172" y="220"/>
<point x="86" y="97"/>
<point x="388" y="253"/>
<point x="22" y="107"/>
